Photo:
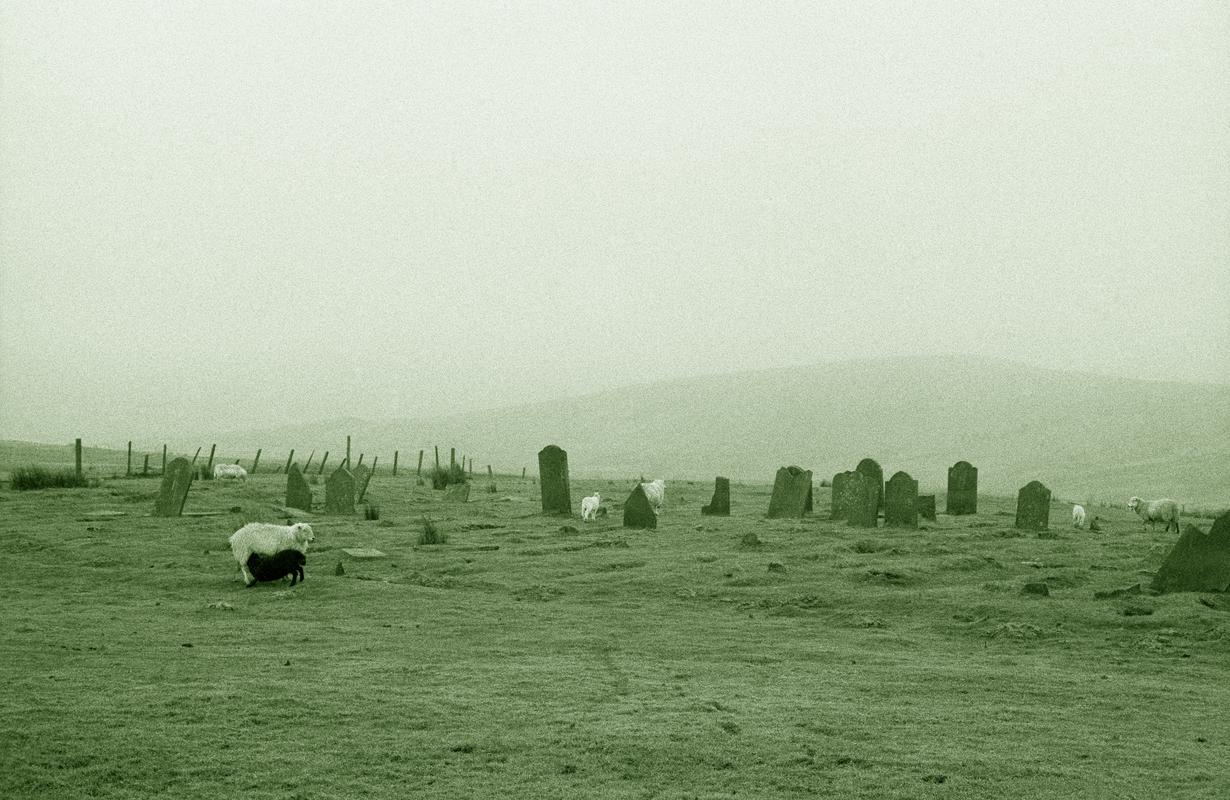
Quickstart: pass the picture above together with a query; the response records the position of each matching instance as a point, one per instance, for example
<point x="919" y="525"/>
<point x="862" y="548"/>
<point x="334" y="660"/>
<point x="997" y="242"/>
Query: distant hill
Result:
<point x="1084" y="436"/>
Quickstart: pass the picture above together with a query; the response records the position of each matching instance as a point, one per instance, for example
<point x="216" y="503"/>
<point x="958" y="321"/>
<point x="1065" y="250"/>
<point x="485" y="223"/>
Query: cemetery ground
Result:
<point x="532" y="656"/>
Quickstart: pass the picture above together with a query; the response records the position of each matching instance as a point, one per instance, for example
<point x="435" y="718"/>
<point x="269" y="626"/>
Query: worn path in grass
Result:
<point x="542" y="657"/>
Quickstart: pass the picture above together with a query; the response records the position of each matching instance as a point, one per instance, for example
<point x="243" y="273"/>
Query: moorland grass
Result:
<point x="24" y="479"/>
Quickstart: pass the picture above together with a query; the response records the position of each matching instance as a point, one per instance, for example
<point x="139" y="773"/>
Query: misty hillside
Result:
<point x="1084" y="436"/>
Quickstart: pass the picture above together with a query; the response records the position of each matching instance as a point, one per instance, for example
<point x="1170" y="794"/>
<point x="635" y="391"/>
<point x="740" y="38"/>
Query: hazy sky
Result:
<point x="219" y="215"/>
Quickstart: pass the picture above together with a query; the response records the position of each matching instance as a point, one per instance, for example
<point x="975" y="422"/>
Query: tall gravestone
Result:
<point x="901" y="502"/>
<point x="926" y="506"/>
<point x="553" y="473"/>
<point x="298" y="493"/>
<point x="962" y="489"/>
<point x="791" y="493"/>
<point x="638" y="511"/>
<point x="841" y="489"/>
<point x="362" y="476"/>
<point x="173" y="492"/>
<point x="870" y="468"/>
<point x="719" y="506"/>
<point x="339" y="492"/>
<point x="1033" y="507"/>
<point x="862" y="501"/>
<point x="1199" y="561"/>
<point x="457" y="493"/>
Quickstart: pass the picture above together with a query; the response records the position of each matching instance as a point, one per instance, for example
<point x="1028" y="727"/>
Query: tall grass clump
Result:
<point x="205" y="473"/>
<point x="32" y="477"/>
<point x="371" y="512"/>
<point x="431" y="534"/>
<point x="442" y="477"/>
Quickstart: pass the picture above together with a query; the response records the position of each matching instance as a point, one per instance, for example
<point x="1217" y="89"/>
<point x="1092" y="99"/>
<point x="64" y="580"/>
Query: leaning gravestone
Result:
<point x="638" y="512"/>
<point x="339" y="492"/>
<point x="791" y="493"/>
<point x="871" y="469"/>
<point x="901" y="502"/>
<point x="840" y="498"/>
<point x="962" y="489"/>
<point x="1198" y="562"/>
<point x="926" y="506"/>
<point x="298" y="493"/>
<point x="862" y="501"/>
<point x="173" y="492"/>
<point x="719" y="506"/>
<point x="1033" y="507"/>
<point x="362" y="476"/>
<point x="457" y="493"/>
<point x="553" y="474"/>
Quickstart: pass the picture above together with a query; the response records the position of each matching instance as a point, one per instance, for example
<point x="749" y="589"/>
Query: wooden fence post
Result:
<point x="256" y="460"/>
<point x="360" y="460"/>
<point x="128" y="469"/>
<point x="347" y="450"/>
<point x="194" y="457"/>
<point x="77" y="456"/>
<point x="309" y="462"/>
<point x="164" y="460"/>
<point x="145" y="469"/>
<point x="210" y="465"/>
<point x="321" y="471"/>
<point x="418" y="472"/>
<point x="452" y="458"/>
<point x="288" y="459"/>
<point x="394" y="463"/>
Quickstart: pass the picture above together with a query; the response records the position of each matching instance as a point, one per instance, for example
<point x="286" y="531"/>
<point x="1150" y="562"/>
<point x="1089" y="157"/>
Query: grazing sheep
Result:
<point x="267" y="540"/>
<point x="277" y="566"/>
<point x="230" y="471"/>
<point x="655" y="492"/>
<point x="1153" y="511"/>
<point x="589" y="506"/>
<point x="1078" y="516"/>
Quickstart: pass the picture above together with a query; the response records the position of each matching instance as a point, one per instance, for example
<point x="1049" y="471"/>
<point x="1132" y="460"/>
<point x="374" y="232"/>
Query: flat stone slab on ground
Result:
<point x="363" y="552"/>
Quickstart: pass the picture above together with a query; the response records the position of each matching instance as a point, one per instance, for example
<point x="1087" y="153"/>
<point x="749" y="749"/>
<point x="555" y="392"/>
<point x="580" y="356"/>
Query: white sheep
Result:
<point x="268" y="540"/>
<point x="589" y="506"/>
<point x="1153" y="511"/>
<point x="230" y="471"/>
<point x="655" y="491"/>
<point x="1078" y="516"/>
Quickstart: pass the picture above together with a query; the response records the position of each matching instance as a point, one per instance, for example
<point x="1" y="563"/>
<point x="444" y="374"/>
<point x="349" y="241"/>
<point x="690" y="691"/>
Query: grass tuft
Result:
<point x="442" y="477"/>
<point x="371" y="512"/>
<point x="431" y="534"/>
<point x="32" y="477"/>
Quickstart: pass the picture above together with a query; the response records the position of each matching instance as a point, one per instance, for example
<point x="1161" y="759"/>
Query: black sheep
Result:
<point x="278" y="565"/>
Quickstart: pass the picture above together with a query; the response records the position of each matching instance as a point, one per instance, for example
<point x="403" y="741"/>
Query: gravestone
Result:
<point x="1033" y="507"/>
<point x="926" y="506"/>
<point x="553" y="472"/>
<point x="1198" y="562"/>
<point x="298" y="493"/>
<point x="862" y="501"/>
<point x="872" y="470"/>
<point x="457" y="493"/>
<point x="791" y="493"/>
<point x="173" y="493"/>
<point x="840" y="495"/>
<point x="962" y="489"/>
<point x="719" y="506"/>
<point x="339" y="492"/>
<point x="362" y="476"/>
<point x="901" y="502"/>
<point x="638" y="511"/>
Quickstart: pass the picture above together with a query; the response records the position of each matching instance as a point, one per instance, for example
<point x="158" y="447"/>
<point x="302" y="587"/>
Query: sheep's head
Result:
<point x="302" y="533"/>
<point x="1134" y="503"/>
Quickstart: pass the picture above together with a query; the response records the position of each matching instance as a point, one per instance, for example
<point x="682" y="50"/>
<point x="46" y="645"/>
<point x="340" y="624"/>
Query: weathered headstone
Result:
<point x="362" y="476"/>
<point x="173" y="492"/>
<point x="840" y="495"/>
<point x="457" y="493"/>
<point x="719" y="506"/>
<point x="1198" y="562"/>
<point x="926" y="506"/>
<point x="862" y="501"/>
<point x="638" y="511"/>
<point x="298" y="493"/>
<point x="901" y="502"/>
<point x="1033" y="507"/>
<point x="791" y="493"/>
<point x="870" y="468"/>
<point x="339" y="492"/>
<point x="962" y="488"/>
<point x="553" y="472"/>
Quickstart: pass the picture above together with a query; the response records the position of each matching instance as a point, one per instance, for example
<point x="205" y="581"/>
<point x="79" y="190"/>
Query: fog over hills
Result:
<point x="1085" y="436"/>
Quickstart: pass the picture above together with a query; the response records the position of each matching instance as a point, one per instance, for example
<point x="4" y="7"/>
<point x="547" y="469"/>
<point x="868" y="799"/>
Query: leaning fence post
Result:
<point x="194" y="456"/>
<point x="210" y="465"/>
<point x="288" y="458"/>
<point x="360" y="460"/>
<point x="309" y="462"/>
<point x="256" y="460"/>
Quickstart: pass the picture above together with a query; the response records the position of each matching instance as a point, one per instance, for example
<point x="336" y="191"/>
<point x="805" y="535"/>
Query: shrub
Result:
<point x="431" y="534"/>
<point x="370" y="511"/>
<point x="441" y="477"/>
<point x="205" y="472"/>
<point x="491" y="488"/>
<point x="32" y="477"/>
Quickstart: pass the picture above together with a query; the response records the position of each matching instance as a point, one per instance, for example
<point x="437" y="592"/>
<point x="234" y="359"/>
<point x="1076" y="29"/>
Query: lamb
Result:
<point x="655" y="492"/>
<point x="1078" y="516"/>
<point x="268" y="540"/>
<point x="589" y="506"/>
<point x="277" y="566"/>
<point x="1153" y="511"/>
<point x="230" y="471"/>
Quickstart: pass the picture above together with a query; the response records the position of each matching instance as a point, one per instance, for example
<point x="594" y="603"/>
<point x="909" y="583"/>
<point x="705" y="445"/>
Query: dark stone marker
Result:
<point x="638" y="512"/>
<point x="901" y="502"/>
<point x="926" y="506"/>
<point x="871" y="469"/>
<point x="457" y="493"/>
<point x="362" y="477"/>
<point x="1033" y="507"/>
<point x="553" y="471"/>
<point x="791" y="493"/>
<point x="298" y="493"/>
<point x="339" y="492"/>
<point x="1198" y="562"/>
<point x="862" y="501"/>
<point x="962" y="488"/>
<point x="841" y="495"/>
<point x="174" y="489"/>
<point x="719" y="506"/>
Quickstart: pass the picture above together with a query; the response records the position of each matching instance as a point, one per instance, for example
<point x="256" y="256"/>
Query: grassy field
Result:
<point x="542" y="657"/>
